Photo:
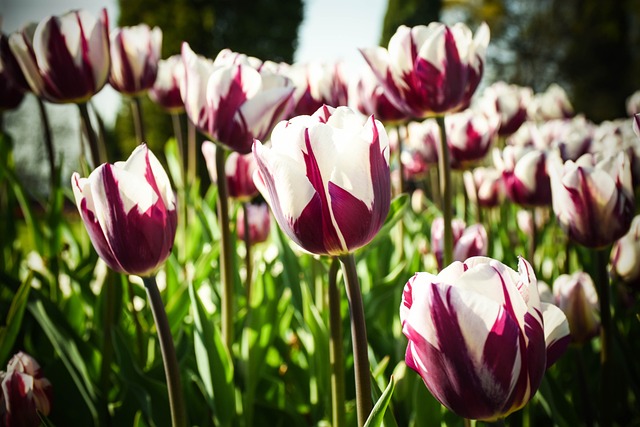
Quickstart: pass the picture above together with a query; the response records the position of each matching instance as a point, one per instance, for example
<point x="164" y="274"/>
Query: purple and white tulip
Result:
<point x="238" y="168"/>
<point x="135" y="52"/>
<point x="467" y="241"/>
<point x="11" y="95"/>
<point x="470" y="134"/>
<point x="259" y="219"/>
<point x="432" y="69"/>
<point x="24" y="392"/>
<point x="571" y="137"/>
<point x="420" y="148"/>
<point x="633" y="104"/>
<point x="165" y="91"/>
<point x="479" y="336"/>
<point x="233" y="104"/>
<point x="368" y="96"/>
<point x="551" y="104"/>
<point x="524" y="173"/>
<point x="484" y="186"/>
<point x="510" y="102"/>
<point x="593" y="197"/>
<point x="129" y="211"/>
<point x="576" y="296"/>
<point x="317" y="84"/>
<point x="65" y="58"/>
<point x="326" y="178"/>
<point x="625" y="254"/>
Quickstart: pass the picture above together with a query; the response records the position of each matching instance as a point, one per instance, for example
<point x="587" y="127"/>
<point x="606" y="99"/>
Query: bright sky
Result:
<point x="331" y="29"/>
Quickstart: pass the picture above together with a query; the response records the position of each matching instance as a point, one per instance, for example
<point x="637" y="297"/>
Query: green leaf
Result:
<point x="380" y="408"/>
<point x="9" y="332"/>
<point x="214" y="363"/>
<point x="173" y="162"/>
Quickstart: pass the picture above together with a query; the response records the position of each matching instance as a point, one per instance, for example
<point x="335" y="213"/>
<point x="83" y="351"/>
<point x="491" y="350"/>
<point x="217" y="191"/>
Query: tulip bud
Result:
<point x="80" y="66"/>
<point x="25" y="392"/>
<point x="129" y="211"/>
<point x="238" y="168"/>
<point x="576" y="296"/>
<point x="259" y="222"/>
<point x="467" y="241"/>
<point x="326" y="178"/>
<point x="478" y="337"/>
<point x="135" y="52"/>
<point x="625" y="254"/>
<point x="592" y="200"/>
<point x="166" y="89"/>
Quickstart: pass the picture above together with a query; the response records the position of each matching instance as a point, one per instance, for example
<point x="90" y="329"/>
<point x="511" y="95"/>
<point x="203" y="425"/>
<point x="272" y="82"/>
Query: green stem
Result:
<point x="177" y="131"/>
<point x="171" y="367"/>
<point x="583" y="389"/>
<point x="226" y="260"/>
<point x="444" y="169"/>
<point x="48" y="143"/>
<point x="91" y="135"/>
<point x="336" y="351"/>
<point x="604" y="292"/>
<point x="403" y="186"/>
<point x="107" y="347"/>
<point x="138" y="124"/>
<point x="248" y="262"/>
<point x="533" y="242"/>
<point x="142" y="356"/>
<point x="183" y="190"/>
<point x="359" y="339"/>
<point x="191" y="151"/>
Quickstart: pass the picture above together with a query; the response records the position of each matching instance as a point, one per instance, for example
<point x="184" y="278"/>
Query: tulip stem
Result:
<point x="248" y="262"/>
<point x="191" y="151"/>
<point x="444" y="169"/>
<point x="399" y="129"/>
<point x="359" y="339"/>
<point x="336" y="358"/>
<point x="533" y="242"/>
<point x="138" y="124"/>
<point x="604" y="291"/>
<point x="48" y="143"/>
<point x="226" y="260"/>
<point x="171" y="367"/>
<point x="91" y="135"/>
<point x="177" y="131"/>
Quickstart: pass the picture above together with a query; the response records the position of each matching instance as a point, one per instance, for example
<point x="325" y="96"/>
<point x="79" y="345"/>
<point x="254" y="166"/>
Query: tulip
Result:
<point x="326" y="178"/>
<point x="368" y="96"/>
<point x="65" y="59"/>
<point x="135" y="52"/>
<point x="576" y="296"/>
<point x="233" y="103"/>
<point x="129" y="211"/>
<point x="550" y="104"/>
<point x="470" y="135"/>
<point x="484" y="186"/>
<point x="10" y="93"/>
<point x="239" y="169"/>
<point x="572" y="137"/>
<point x="510" y="103"/>
<point x="479" y="336"/>
<point x="25" y="392"/>
<point x="593" y="198"/>
<point x="165" y="91"/>
<point x="625" y="254"/>
<point x="633" y="103"/>
<point x="525" y="176"/>
<point x="420" y="150"/>
<point x="319" y="83"/>
<point x="431" y="69"/>
<point x="467" y="241"/>
<point x="259" y="222"/>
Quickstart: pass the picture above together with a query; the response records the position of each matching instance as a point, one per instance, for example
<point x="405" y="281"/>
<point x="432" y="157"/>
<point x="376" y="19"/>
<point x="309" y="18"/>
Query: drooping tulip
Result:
<point x="165" y="91"/>
<point x="479" y="336"/>
<point x="135" y="52"/>
<point x="239" y="169"/>
<point x="524" y="173"/>
<point x="432" y="69"/>
<point x="326" y="178"/>
<point x="625" y="254"/>
<point x="24" y="392"/>
<point x="65" y="59"/>
<point x="575" y="294"/>
<point x="467" y="241"/>
<point x="129" y="211"/>
<point x="593" y="198"/>
<point x="259" y="220"/>
<point x="233" y="104"/>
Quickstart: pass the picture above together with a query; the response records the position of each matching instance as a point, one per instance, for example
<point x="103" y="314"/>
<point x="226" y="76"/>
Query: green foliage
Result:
<point x="410" y="13"/>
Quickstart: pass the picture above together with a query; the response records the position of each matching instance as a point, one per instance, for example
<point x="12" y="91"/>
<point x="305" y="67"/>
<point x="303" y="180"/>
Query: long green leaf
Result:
<point x="380" y="408"/>
<point x="214" y="363"/>
<point x="9" y="332"/>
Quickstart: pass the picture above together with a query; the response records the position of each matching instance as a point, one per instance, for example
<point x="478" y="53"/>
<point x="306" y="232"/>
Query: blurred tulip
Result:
<point x="593" y="198"/>
<point x="510" y="102"/>
<point x="633" y="103"/>
<point x="545" y="292"/>
<point x="368" y="96"/>
<point x="467" y="241"/>
<point x="478" y="336"/>
<point x="326" y="178"/>
<point x="319" y="83"/>
<point x="166" y="89"/>
<point x="469" y="136"/>
<point x="572" y="137"/>
<point x="525" y="176"/>
<point x="484" y="186"/>
<point x="65" y="59"/>
<point x="10" y="93"/>
<point x="129" y="211"/>
<point x="431" y="69"/>
<point x="233" y="104"/>
<point x="259" y="222"/>
<point x="135" y="52"/>
<point x="625" y="254"/>
<point x="550" y="104"/>
<point x="239" y="169"/>
<point x="25" y="392"/>
<point x="9" y="63"/>
<point x="420" y="148"/>
<point x="576" y="296"/>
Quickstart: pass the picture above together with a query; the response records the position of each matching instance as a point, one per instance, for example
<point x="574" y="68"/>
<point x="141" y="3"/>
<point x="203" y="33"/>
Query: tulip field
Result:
<point x="405" y="245"/>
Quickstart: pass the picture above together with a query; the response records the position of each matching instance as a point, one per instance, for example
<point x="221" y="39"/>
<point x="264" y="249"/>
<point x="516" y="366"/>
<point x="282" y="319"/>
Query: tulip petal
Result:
<point x="556" y="332"/>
